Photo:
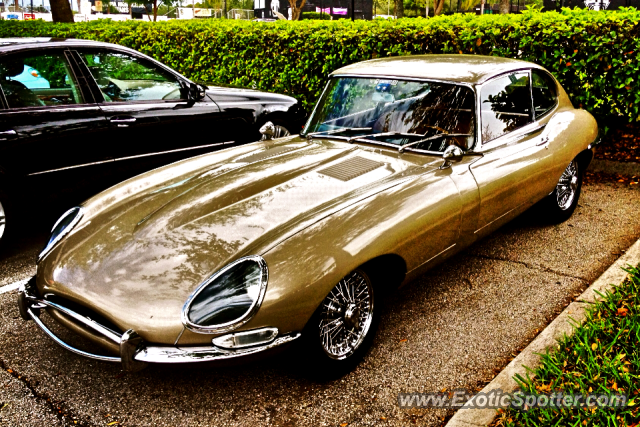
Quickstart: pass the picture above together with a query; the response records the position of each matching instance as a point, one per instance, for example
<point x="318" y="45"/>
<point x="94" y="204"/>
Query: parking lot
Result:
<point x="453" y="327"/>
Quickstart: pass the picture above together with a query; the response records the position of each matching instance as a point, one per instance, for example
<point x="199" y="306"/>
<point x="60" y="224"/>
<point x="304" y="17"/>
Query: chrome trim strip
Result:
<point x="151" y="354"/>
<point x="66" y="346"/>
<point x="64" y="232"/>
<point x="229" y="326"/>
<point x="396" y="77"/>
<point x="103" y="330"/>
<point x="433" y="257"/>
<point x="132" y="157"/>
<point x="204" y="354"/>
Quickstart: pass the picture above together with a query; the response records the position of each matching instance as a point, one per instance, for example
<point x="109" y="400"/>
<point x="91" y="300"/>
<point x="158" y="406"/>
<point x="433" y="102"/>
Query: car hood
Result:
<point x="220" y="93"/>
<point x="144" y="246"/>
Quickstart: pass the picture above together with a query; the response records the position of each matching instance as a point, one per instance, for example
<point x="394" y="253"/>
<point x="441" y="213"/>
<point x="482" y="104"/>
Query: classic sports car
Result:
<point x="81" y="116"/>
<point x="404" y="162"/>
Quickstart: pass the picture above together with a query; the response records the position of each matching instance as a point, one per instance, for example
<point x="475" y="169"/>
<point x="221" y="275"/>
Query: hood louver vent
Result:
<point x="270" y="152"/>
<point x="351" y="168"/>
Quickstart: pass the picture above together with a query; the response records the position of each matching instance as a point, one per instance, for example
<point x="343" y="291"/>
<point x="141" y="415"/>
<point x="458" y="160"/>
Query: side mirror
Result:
<point x="453" y="153"/>
<point x="192" y="93"/>
<point x="268" y="130"/>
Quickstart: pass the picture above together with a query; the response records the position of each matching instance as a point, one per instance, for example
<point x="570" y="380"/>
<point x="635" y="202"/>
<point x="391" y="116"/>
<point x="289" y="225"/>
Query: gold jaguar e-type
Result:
<point x="404" y="162"/>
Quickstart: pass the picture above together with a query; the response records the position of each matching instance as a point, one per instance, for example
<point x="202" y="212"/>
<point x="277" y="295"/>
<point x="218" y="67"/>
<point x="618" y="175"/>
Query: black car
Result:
<point x="77" y="116"/>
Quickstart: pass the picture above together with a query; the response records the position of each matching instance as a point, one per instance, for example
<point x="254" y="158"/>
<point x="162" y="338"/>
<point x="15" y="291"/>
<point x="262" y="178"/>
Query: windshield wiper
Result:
<point x="332" y="131"/>
<point x="377" y="135"/>
<point x="432" y="138"/>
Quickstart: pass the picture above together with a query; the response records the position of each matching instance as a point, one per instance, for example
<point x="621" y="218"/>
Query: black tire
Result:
<point x="327" y="361"/>
<point x="560" y="205"/>
<point x="6" y="219"/>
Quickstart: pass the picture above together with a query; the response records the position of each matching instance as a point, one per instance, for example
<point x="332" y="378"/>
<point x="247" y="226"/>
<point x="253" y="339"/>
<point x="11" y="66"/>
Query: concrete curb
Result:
<point x="613" y="167"/>
<point x="561" y="325"/>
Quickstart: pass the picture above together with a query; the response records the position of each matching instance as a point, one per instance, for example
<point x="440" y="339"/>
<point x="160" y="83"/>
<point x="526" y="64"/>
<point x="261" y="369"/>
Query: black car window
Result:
<point x="505" y="105"/>
<point x="38" y="80"/>
<point x="125" y="78"/>
<point x="545" y="95"/>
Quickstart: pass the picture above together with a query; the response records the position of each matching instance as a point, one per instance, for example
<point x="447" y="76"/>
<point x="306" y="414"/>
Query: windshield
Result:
<point x="424" y="115"/>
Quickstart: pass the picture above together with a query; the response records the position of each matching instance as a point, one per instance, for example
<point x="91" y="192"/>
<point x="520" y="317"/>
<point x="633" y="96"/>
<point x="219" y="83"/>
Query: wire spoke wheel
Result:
<point x="346" y="316"/>
<point x="567" y="187"/>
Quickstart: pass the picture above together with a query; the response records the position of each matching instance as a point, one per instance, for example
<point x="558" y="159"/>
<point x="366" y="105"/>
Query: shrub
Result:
<point x="595" y="55"/>
<point x="316" y="15"/>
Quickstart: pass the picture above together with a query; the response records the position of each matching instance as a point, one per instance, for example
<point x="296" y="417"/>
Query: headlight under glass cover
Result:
<point x="229" y="298"/>
<point x="61" y="228"/>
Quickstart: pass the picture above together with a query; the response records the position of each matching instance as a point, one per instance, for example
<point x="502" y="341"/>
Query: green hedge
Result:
<point x="595" y="55"/>
<point x="316" y="15"/>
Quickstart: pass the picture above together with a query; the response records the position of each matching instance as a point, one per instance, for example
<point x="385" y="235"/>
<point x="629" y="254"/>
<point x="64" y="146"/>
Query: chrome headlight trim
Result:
<point x="54" y="240"/>
<point x="229" y="326"/>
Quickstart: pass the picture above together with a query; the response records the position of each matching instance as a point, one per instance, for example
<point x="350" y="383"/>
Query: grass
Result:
<point x="601" y="357"/>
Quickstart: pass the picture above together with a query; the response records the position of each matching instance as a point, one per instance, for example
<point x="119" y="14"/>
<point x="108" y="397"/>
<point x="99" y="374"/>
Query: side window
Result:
<point x="545" y="94"/>
<point x="505" y="105"/>
<point x="38" y="80"/>
<point x="124" y="78"/>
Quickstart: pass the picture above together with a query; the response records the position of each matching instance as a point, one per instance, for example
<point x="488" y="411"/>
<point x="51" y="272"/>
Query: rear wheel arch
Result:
<point x="584" y="159"/>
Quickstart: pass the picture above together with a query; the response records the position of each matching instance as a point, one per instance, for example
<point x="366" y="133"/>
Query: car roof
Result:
<point x="20" y="43"/>
<point x="472" y="69"/>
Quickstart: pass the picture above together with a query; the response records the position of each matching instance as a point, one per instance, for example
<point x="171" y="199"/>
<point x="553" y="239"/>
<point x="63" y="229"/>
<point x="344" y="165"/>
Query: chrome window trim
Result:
<point x="511" y="137"/>
<point x="229" y="326"/>
<point x="555" y="106"/>
<point x="479" y="105"/>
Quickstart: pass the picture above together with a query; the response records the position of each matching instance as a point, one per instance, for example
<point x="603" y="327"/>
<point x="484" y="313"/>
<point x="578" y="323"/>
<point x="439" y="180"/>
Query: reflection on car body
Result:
<point x="404" y="162"/>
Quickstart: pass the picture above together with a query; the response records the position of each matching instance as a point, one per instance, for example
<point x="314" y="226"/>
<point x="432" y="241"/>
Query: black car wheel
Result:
<point x="563" y="201"/>
<point x="342" y="329"/>
<point x="4" y="209"/>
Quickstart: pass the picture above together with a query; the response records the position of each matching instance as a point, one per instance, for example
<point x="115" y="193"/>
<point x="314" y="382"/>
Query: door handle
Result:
<point x="8" y="133"/>
<point x="543" y="140"/>
<point x="123" y="121"/>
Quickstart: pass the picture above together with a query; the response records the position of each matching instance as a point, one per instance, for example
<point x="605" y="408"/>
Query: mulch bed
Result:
<point x="622" y="144"/>
<point x="595" y="177"/>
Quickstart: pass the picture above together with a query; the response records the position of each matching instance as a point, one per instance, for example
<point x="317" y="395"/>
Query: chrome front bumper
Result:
<point x="134" y="353"/>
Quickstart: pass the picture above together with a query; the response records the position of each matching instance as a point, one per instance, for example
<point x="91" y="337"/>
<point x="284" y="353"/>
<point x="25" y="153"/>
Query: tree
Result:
<point x="400" y="8"/>
<point x="296" y="10"/>
<point x="504" y="6"/>
<point x="61" y="11"/>
<point x="154" y="7"/>
<point x="438" y="6"/>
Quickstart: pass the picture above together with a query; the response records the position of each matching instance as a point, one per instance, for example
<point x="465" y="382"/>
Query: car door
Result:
<point x="50" y="123"/>
<point x="516" y="166"/>
<point x="152" y="121"/>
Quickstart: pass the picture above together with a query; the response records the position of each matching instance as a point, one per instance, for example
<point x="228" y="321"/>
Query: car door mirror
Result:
<point x="452" y="154"/>
<point x="191" y="92"/>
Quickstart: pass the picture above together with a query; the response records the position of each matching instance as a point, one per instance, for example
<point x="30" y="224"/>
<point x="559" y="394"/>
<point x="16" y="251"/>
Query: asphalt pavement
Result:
<point x="456" y="326"/>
